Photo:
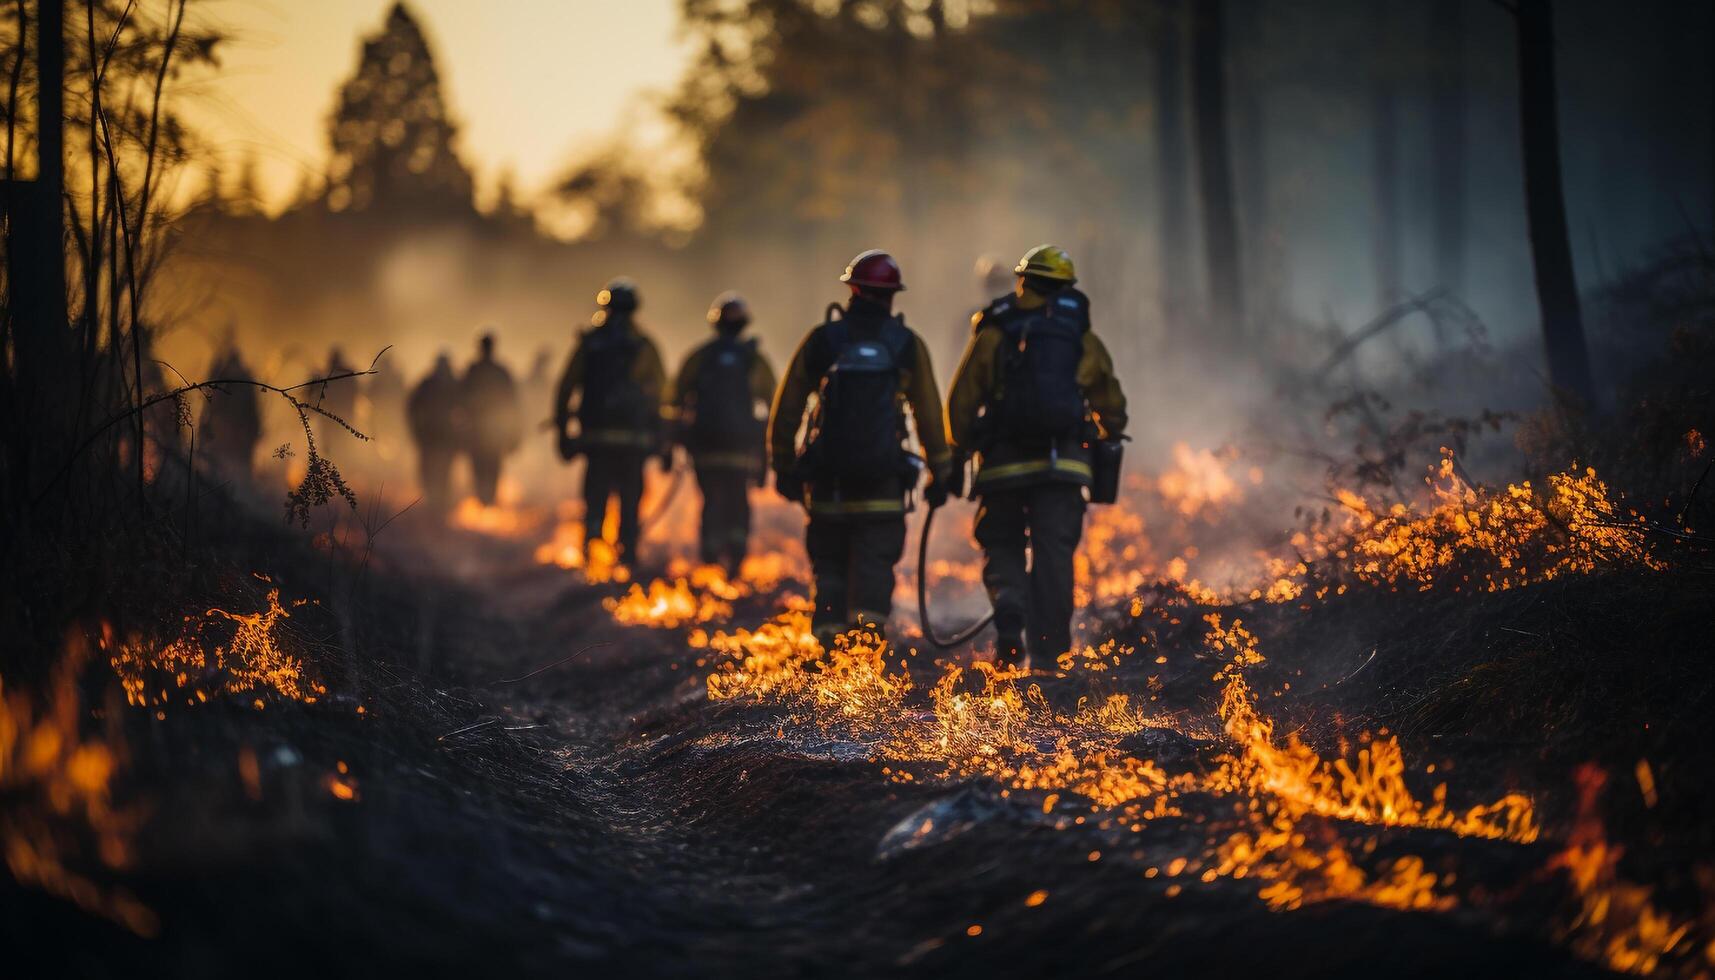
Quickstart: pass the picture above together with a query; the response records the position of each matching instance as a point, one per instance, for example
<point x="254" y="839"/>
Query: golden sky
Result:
<point x="532" y="81"/>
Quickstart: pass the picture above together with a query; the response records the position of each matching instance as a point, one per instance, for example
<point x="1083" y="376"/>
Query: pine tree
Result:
<point x="392" y="138"/>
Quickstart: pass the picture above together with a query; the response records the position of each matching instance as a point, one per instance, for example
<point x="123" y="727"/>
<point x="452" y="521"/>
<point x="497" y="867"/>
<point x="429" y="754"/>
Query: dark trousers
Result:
<point x="485" y="472"/>
<point x="435" y="476"/>
<point x="1033" y="597"/>
<point x="725" y="532"/>
<point x="608" y="474"/>
<point x="852" y="562"/>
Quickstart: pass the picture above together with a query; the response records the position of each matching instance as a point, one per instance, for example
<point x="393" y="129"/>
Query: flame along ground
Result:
<point x="1307" y="826"/>
<point x="1300" y="825"/>
<point x="62" y="813"/>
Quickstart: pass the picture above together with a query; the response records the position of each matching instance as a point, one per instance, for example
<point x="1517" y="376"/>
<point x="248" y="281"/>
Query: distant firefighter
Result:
<point x="612" y="386"/>
<point x="715" y="401"/>
<point x="433" y="414"/>
<point x="337" y="398"/>
<point x="384" y="398"/>
<point x="231" y="423"/>
<point x="494" y="419"/>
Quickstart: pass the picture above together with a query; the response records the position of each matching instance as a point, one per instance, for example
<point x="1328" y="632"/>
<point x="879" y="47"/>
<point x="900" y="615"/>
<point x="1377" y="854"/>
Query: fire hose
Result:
<point x="964" y="635"/>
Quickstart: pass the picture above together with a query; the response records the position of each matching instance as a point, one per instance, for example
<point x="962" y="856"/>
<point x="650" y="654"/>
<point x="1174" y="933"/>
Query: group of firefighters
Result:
<point x="1034" y="405"/>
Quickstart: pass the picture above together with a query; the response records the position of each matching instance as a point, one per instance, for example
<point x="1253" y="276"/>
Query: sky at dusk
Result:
<point x="533" y="82"/>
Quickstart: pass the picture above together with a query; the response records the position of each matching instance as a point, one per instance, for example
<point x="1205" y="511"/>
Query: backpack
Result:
<point x="612" y="399"/>
<point x="723" y="418"/>
<point x="858" y="430"/>
<point x="1039" y="397"/>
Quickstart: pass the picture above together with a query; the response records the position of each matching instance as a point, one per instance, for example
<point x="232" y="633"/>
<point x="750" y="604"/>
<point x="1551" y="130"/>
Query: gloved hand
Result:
<point x="789" y="486"/>
<point x="935" y="492"/>
<point x="568" y="447"/>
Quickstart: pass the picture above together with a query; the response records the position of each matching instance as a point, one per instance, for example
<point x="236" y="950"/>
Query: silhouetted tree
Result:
<point x="1545" y="203"/>
<point x="1448" y="139"/>
<point x="1173" y="183"/>
<point x="1215" y="168"/>
<point x="1384" y="155"/>
<point x="391" y="136"/>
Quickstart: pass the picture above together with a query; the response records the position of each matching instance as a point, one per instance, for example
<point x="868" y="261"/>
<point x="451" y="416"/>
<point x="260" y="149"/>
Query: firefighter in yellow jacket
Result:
<point x="612" y="386"/>
<point x="714" y="404"/>
<point x="853" y="474"/>
<point x="1032" y="395"/>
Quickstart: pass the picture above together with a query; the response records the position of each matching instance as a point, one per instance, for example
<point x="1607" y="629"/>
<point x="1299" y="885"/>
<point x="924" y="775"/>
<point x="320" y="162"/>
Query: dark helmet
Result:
<point x="729" y="310"/>
<point x="874" y="269"/>
<point x="619" y="296"/>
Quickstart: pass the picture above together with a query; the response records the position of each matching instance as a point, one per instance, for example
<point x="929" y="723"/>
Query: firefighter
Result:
<point x="1034" y="390"/>
<point x="336" y="398"/>
<point x="432" y="412"/>
<point x="494" y="420"/>
<point x="714" y="403"/>
<point x="853" y="474"/>
<point x="615" y="379"/>
<point x="231" y="423"/>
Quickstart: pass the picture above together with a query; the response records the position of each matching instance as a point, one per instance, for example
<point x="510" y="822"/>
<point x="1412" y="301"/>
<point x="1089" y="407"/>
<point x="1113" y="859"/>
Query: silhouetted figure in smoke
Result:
<point x="1034" y="394"/>
<point x="715" y="400"/>
<point x="337" y="398"/>
<point x="433" y="412"/>
<point x="612" y="386"/>
<point x="993" y="277"/>
<point x="384" y="398"/>
<point x="493" y="418"/>
<point x="854" y="474"/>
<point x="231" y="423"/>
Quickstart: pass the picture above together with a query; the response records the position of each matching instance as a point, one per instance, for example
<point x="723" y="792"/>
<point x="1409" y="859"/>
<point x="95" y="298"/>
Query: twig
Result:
<point x="468" y="728"/>
<point x="1360" y="669"/>
<point x="1692" y="497"/>
<point x="149" y="403"/>
<point x="558" y="663"/>
<point x="1647" y="527"/>
<point x="1388" y="318"/>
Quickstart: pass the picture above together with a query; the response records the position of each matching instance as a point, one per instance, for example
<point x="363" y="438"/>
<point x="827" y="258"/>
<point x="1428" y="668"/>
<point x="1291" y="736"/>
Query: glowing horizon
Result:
<point x="533" y="88"/>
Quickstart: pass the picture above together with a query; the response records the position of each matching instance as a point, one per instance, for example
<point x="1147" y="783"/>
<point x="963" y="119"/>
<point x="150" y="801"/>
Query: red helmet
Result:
<point x="874" y="269"/>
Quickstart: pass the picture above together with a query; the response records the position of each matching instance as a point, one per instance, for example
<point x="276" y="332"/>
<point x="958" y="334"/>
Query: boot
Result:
<point x="1009" y="651"/>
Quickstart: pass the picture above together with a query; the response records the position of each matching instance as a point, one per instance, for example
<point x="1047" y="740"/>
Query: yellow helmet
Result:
<point x="1048" y="262"/>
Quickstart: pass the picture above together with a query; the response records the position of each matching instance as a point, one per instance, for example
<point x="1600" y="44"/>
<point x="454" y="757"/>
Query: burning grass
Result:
<point x="1304" y="824"/>
<point x="218" y="653"/>
<point x="60" y="815"/>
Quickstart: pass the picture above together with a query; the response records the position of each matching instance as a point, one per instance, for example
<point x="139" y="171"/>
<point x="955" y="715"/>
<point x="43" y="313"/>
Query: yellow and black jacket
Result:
<point x="681" y="396"/>
<point x="617" y="378"/>
<point x="883" y="495"/>
<point x="979" y="385"/>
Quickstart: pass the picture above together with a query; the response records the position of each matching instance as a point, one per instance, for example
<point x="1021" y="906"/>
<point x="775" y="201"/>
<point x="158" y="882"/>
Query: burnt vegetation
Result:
<point x="1392" y="656"/>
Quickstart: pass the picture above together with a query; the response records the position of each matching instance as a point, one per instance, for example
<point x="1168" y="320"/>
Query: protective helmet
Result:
<point x="1047" y="262"/>
<point x="729" y="307"/>
<point x="874" y="269"/>
<point x="619" y="296"/>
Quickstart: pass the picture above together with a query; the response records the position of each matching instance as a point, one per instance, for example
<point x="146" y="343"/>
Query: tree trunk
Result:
<point x="1545" y="205"/>
<point x="1384" y="159"/>
<point x="1174" y="227"/>
<point x="42" y="372"/>
<point x="1215" y="170"/>
<point x="1448" y="142"/>
<point x="1262" y="268"/>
